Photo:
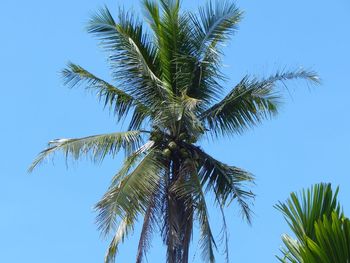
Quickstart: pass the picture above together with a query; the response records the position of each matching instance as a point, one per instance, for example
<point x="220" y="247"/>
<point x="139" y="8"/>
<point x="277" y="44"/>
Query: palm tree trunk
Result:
<point x="180" y="231"/>
<point x="179" y="223"/>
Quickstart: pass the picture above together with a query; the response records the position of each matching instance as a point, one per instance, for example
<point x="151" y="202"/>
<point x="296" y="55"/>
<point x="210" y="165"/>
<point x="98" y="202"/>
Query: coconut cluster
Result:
<point x="172" y="147"/>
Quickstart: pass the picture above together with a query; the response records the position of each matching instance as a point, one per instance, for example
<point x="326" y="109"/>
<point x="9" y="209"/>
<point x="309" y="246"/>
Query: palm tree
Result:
<point x="322" y="231"/>
<point x="169" y="84"/>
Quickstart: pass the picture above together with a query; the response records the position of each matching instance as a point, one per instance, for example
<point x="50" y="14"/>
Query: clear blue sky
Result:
<point x="48" y="217"/>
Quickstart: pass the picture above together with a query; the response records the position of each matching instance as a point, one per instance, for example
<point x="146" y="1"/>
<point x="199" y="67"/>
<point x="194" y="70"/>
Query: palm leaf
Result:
<point x="224" y="232"/>
<point x="133" y="57"/>
<point x="302" y="210"/>
<point x="217" y="22"/>
<point x="118" y="100"/>
<point x="207" y="241"/>
<point x="291" y="252"/>
<point x="152" y="16"/>
<point x="168" y="40"/>
<point x="124" y="229"/>
<point x="332" y="239"/>
<point x="321" y="230"/>
<point x="130" y="162"/>
<point x="132" y="195"/>
<point x="148" y="227"/>
<point x="97" y="146"/>
<point x="180" y="115"/>
<point x="250" y="102"/>
<point x="227" y="182"/>
<point x="330" y="244"/>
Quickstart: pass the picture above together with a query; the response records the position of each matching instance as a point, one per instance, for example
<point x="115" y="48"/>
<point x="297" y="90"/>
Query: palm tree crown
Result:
<point x="168" y="79"/>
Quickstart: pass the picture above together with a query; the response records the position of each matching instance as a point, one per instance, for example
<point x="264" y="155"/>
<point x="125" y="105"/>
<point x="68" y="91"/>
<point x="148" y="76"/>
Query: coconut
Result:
<point x="166" y="152"/>
<point x="182" y="136"/>
<point x="184" y="153"/>
<point x="172" y="145"/>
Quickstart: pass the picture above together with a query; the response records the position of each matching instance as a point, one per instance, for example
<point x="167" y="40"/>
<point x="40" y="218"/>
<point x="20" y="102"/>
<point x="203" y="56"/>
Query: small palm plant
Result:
<point x="169" y="82"/>
<point x="321" y="230"/>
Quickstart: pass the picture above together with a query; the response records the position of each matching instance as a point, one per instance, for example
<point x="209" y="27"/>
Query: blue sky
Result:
<point x="47" y="216"/>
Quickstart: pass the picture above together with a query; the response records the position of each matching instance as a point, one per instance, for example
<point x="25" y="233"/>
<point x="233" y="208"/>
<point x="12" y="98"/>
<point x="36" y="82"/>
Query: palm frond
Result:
<point x="118" y="100"/>
<point x="195" y="188"/>
<point x="200" y="80"/>
<point x="291" y="252"/>
<point x="133" y="58"/>
<point x="130" y="162"/>
<point x="250" y="102"/>
<point x="226" y="182"/>
<point x="224" y="232"/>
<point x="149" y="223"/>
<point x="170" y="39"/>
<point x="217" y="21"/>
<point x="140" y="118"/>
<point x="179" y="115"/>
<point x="125" y="227"/>
<point x="332" y="242"/>
<point x="301" y="211"/>
<point x="207" y="241"/>
<point x="321" y="230"/>
<point x="132" y="195"/>
<point x="97" y="146"/>
<point x="152" y="15"/>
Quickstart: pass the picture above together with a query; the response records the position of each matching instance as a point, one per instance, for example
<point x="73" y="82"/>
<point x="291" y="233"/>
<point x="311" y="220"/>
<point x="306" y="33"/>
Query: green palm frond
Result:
<point x="302" y="210"/>
<point x="125" y="227"/>
<point x="322" y="231"/>
<point x="172" y="38"/>
<point x="227" y="182"/>
<point x="332" y="242"/>
<point x="132" y="195"/>
<point x="97" y="146"/>
<point x="167" y="40"/>
<point x="202" y="81"/>
<point x="179" y="115"/>
<point x="217" y="21"/>
<point x="291" y="252"/>
<point x="118" y="100"/>
<point x="130" y="162"/>
<point x="152" y="15"/>
<point x="224" y="239"/>
<point x="150" y="222"/>
<point x="224" y="235"/>
<point x="140" y="118"/>
<point x="207" y="241"/>
<point x="133" y="58"/>
<point x="250" y="102"/>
